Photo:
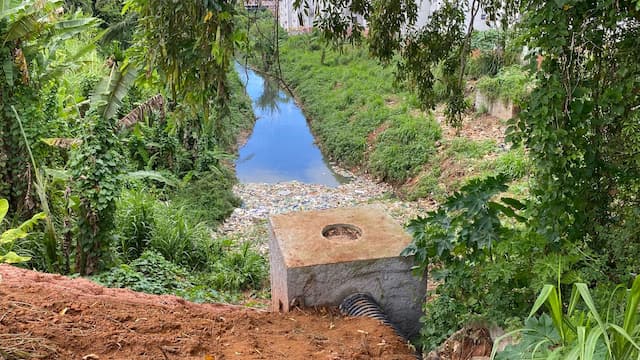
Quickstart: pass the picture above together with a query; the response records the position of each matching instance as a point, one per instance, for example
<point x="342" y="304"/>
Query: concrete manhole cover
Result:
<point x="341" y="232"/>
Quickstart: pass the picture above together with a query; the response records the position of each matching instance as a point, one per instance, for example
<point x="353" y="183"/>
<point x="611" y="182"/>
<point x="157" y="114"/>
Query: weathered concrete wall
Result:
<point x="308" y="269"/>
<point x="496" y="107"/>
<point x="389" y="281"/>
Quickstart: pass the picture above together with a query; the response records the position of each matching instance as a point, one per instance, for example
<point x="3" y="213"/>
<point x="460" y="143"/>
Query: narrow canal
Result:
<point x="281" y="147"/>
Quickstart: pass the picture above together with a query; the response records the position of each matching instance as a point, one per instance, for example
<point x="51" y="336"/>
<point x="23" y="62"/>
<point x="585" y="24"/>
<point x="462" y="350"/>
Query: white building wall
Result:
<point x="289" y="18"/>
<point x="427" y="7"/>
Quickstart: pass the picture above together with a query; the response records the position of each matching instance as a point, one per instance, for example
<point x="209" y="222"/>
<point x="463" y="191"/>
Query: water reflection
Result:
<point x="271" y="96"/>
<point x="281" y="147"/>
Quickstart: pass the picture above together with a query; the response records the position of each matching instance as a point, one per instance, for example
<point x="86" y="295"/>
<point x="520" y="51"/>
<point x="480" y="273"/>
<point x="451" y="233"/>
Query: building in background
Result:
<point x="270" y="5"/>
<point x="290" y="18"/>
<point x="426" y="8"/>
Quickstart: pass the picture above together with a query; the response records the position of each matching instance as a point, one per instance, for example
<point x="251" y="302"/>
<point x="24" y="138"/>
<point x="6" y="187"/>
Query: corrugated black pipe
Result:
<point x="361" y="304"/>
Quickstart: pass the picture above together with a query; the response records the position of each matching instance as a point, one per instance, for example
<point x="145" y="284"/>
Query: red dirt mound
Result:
<point x="49" y="316"/>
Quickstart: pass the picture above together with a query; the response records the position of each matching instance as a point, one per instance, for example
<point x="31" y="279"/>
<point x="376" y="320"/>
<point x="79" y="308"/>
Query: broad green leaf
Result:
<point x="153" y="175"/>
<point x="27" y="225"/>
<point x="108" y="96"/>
<point x="592" y="341"/>
<point x="10" y="7"/>
<point x="13" y="258"/>
<point x="542" y="297"/>
<point x="501" y="208"/>
<point x="516" y="204"/>
<point x="588" y="300"/>
<point x="4" y="208"/>
<point x="21" y="27"/>
<point x="555" y="306"/>
<point x="12" y="235"/>
<point x="63" y="143"/>
<point x="631" y="309"/>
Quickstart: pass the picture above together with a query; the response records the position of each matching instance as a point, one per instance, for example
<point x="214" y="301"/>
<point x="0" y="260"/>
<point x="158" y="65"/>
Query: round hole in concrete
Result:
<point x="341" y="232"/>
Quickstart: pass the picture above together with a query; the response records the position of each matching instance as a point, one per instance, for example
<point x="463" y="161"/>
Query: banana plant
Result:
<point x="10" y="236"/>
<point x="36" y="30"/>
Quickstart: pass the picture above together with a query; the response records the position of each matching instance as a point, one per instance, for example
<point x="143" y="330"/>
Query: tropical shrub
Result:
<point x="403" y="148"/>
<point x="8" y="237"/>
<point x="510" y="84"/>
<point x="579" y="329"/>
<point x="241" y="268"/>
<point x="150" y="273"/>
<point x="230" y="269"/>
<point x="482" y="264"/>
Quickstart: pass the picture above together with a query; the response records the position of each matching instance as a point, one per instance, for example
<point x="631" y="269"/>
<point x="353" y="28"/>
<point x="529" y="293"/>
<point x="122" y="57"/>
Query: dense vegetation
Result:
<point x="127" y="161"/>
<point x="386" y="135"/>
<point x="109" y="139"/>
<point x="335" y="86"/>
<point x="493" y="253"/>
<point x="578" y="124"/>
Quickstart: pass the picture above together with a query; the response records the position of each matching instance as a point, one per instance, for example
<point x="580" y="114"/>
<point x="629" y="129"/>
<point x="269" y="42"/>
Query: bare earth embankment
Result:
<point x="44" y="316"/>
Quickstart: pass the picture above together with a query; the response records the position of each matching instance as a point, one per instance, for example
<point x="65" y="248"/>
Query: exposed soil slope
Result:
<point x="55" y="317"/>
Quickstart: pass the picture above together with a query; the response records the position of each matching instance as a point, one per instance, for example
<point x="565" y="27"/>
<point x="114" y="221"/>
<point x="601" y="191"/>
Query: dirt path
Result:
<point x="53" y="317"/>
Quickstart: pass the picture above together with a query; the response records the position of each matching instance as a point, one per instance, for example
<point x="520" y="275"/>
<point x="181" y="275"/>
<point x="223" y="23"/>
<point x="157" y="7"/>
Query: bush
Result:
<point x="236" y="269"/>
<point x="401" y="150"/>
<point x="209" y="198"/>
<point x="151" y="273"/>
<point x="179" y="238"/>
<point x="484" y="275"/>
<point x="514" y="163"/>
<point x="145" y="223"/>
<point x="229" y="270"/>
<point x="511" y="84"/>
<point x="135" y="220"/>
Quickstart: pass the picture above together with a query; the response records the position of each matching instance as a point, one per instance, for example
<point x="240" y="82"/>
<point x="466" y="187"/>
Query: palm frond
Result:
<point x="154" y="103"/>
<point x="63" y="143"/>
<point x="22" y="26"/>
<point x="165" y="178"/>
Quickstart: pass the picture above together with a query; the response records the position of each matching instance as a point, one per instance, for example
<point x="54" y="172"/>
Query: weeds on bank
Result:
<point x="358" y="116"/>
<point x="167" y="250"/>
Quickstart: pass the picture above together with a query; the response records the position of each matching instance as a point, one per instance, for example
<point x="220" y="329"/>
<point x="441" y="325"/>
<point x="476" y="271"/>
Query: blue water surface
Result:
<point x="281" y="147"/>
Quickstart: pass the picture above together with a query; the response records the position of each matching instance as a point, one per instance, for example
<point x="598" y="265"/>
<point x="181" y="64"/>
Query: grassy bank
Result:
<point x="355" y="112"/>
<point x="365" y="122"/>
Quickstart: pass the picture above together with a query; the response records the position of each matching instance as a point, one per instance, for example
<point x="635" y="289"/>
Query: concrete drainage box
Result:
<point x="320" y="257"/>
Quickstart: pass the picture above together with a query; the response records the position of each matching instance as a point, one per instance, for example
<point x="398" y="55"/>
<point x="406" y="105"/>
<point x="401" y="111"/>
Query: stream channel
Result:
<point x="281" y="147"/>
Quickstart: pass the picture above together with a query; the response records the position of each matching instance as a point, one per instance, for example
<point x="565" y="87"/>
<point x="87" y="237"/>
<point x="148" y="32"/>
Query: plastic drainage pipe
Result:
<point x="361" y="304"/>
